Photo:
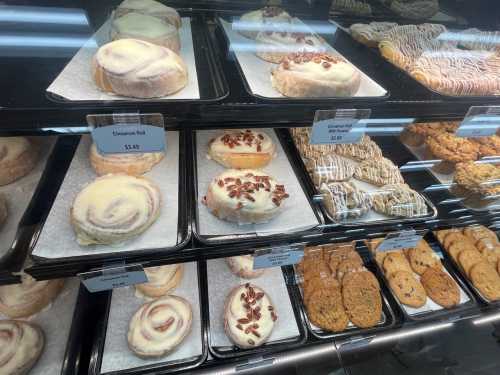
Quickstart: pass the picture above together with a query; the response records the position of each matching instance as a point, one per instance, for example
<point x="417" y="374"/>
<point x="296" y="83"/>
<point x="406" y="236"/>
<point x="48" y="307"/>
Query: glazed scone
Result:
<point x="149" y="8"/>
<point x="18" y="156"/>
<point x="273" y="46"/>
<point x="138" y="69"/>
<point x="265" y="19"/>
<point x="245" y="196"/>
<point x="310" y="75"/>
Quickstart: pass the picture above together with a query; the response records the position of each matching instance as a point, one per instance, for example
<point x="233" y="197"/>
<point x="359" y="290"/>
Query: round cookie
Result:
<point x="361" y="297"/>
<point x="457" y="247"/>
<point x="453" y="237"/>
<point x="347" y="266"/>
<point x="486" y="279"/>
<point x="468" y="258"/>
<point x="422" y="257"/>
<point x="440" y="287"/>
<point x="480" y="232"/>
<point x="396" y="261"/>
<point x="339" y="255"/>
<point x="325" y="310"/>
<point x="318" y="283"/>
<point x="408" y="289"/>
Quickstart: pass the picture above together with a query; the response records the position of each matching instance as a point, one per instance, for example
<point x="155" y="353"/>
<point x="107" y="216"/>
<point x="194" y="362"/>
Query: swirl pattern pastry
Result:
<point x="242" y="149"/>
<point x="273" y="46"/>
<point x="399" y="200"/>
<point x="379" y="171"/>
<point x="133" y="163"/>
<point x="307" y="74"/>
<point x="265" y="19"/>
<point x="370" y="34"/>
<point x="29" y="297"/>
<point x="159" y="326"/>
<point x="18" y="157"/>
<point x="161" y="280"/>
<point x="249" y="316"/>
<point x="330" y="168"/>
<point x="21" y="344"/>
<point x="114" y="208"/>
<point x="242" y="266"/>
<point x="138" y="69"/>
<point x="150" y="8"/>
<point x="245" y="196"/>
<point x="343" y="200"/>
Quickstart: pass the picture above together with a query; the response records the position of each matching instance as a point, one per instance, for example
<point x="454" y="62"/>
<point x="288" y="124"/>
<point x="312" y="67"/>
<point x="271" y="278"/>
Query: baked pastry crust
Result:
<point x="138" y="69"/>
<point x="161" y="280"/>
<point x="242" y="266"/>
<point x="265" y="19"/>
<point x="18" y="156"/>
<point x="309" y="75"/>
<point x="114" y="208"/>
<point x="242" y="149"/>
<point x="273" y="46"/>
<point x="150" y="8"/>
<point x="245" y="196"/>
<point x="134" y="163"/>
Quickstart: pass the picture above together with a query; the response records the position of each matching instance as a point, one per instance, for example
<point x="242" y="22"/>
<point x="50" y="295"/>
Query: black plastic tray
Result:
<point x="75" y="263"/>
<point x="389" y="316"/>
<point x="456" y="313"/>
<point x="245" y="237"/>
<point x="270" y="346"/>
<point x="181" y="365"/>
<point x="211" y="80"/>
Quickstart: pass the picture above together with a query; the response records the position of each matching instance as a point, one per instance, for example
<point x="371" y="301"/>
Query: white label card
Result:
<point x="126" y="138"/>
<point x="400" y="240"/>
<point x="277" y="256"/>
<point x="113" y="277"/>
<point x="337" y="131"/>
<point x="483" y="125"/>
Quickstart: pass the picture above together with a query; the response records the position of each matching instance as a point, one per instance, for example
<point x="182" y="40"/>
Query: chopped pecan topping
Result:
<point x="243" y="321"/>
<point x="220" y="183"/>
<point x="251" y="342"/>
<point x="239" y="326"/>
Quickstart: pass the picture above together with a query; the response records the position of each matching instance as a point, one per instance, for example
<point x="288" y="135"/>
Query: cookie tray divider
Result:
<point x="166" y="367"/>
<point x="75" y="265"/>
<point x="461" y="274"/>
<point x="457" y="313"/>
<point x="299" y="166"/>
<point x="268" y="348"/>
<point x="226" y="46"/>
<point x="249" y="237"/>
<point x="389" y="316"/>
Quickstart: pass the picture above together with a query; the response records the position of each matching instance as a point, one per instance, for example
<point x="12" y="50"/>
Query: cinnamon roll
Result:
<point x="249" y="316"/>
<point x="133" y="163"/>
<point x="29" y="297"/>
<point x="159" y="326"/>
<point x="307" y="74"/>
<point x="150" y="8"/>
<point x="114" y="208"/>
<point x="245" y="196"/>
<point x="138" y="69"/>
<point x="242" y="149"/>
<point x="242" y="266"/>
<point x="161" y="280"/>
<point x="21" y="344"/>
<point x="265" y="19"/>
<point x="18" y="156"/>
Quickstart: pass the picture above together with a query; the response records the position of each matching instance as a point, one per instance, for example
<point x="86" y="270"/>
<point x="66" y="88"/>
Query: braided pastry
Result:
<point x="18" y="157"/>
<point x="161" y="280"/>
<point x="29" y="297"/>
<point x="114" y="208"/>
<point x="133" y="163"/>
<point x="151" y="8"/>
<point x="21" y="344"/>
<point x="138" y="69"/>
<point x="159" y="326"/>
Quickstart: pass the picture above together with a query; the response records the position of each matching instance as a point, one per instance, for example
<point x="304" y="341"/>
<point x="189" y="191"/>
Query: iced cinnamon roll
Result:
<point x="242" y="266"/>
<point x="159" y="326"/>
<point x="273" y="46"/>
<point x="150" y="8"/>
<point x="161" y="280"/>
<point x="29" y="297"/>
<point x="114" y="208"/>
<point x="133" y="163"/>
<point x="21" y="344"/>
<point x="18" y="156"/>
<point x="265" y="19"/>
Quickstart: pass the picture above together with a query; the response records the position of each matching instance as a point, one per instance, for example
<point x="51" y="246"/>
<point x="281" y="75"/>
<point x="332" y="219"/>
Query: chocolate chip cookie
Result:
<point x="423" y="257"/>
<point x="326" y="310"/>
<point x="362" y="300"/>
<point x="486" y="279"/>
<point x="441" y="288"/>
<point x="408" y="290"/>
<point x="395" y="261"/>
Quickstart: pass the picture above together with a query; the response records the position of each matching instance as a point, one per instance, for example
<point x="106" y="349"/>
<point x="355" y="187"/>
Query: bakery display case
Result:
<point x="207" y="187"/>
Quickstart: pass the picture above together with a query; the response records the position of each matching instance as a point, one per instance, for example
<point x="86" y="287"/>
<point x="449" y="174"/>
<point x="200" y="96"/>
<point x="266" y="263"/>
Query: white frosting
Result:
<point x="159" y="276"/>
<point x="261" y="16"/>
<point x="28" y="292"/>
<point x="159" y="326"/>
<point x="242" y="141"/>
<point x="242" y="265"/>
<point x="336" y="72"/>
<point x="149" y="6"/>
<point x="137" y="25"/>
<point x="286" y="42"/>
<point x="12" y="147"/>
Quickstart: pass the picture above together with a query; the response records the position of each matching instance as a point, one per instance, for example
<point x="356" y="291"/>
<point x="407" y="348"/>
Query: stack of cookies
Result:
<point x="338" y="289"/>
<point x="417" y="273"/>
<point x="356" y="179"/>
<point x="476" y="251"/>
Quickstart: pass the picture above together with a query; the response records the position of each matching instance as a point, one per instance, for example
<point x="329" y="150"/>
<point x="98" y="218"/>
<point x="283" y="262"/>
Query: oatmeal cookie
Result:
<point x="441" y="288"/>
<point x="341" y="255"/>
<point x="347" y="266"/>
<point x="408" y="290"/>
<point x="399" y="200"/>
<point x="469" y="258"/>
<point x="326" y="310"/>
<point x="318" y="283"/>
<point x="396" y="261"/>
<point x="362" y="300"/>
<point x="451" y="150"/>
<point x="486" y="279"/>
<point x="415" y="134"/>
<point x="379" y="172"/>
<point x="480" y="178"/>
<point x="488" y="146"/>
<point x="423" y="257"/>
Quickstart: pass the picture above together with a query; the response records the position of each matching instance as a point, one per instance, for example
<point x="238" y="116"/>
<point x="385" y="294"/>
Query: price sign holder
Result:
<point x="277" y="256"/>
<point x="400" y="240"/>
<point x="128" y="132"/>
<point x="339" y="126"/>
<point x="480" y="121"/>
<point x="112" y="277"/>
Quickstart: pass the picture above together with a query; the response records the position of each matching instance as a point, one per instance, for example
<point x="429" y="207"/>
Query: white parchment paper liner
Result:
<point x="55" y="321"/>
<point x="258" y="72"/>
<point x="75" y="82"/>
<point x="124" y="303"/>
<point x="220" y="283"/>
<point x="19" y="193"/>
<point x="162" y="234"/>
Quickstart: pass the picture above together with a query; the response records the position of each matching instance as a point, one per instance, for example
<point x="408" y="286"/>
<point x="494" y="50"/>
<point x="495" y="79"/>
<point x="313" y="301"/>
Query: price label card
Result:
<point x="113" y="277"/>
<point x="277" y="256"/>
<point x="480" y="121"/>
<point x="337" y="131"/>
<point x="126" y="138"/>
<point x="400" y="240"/>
